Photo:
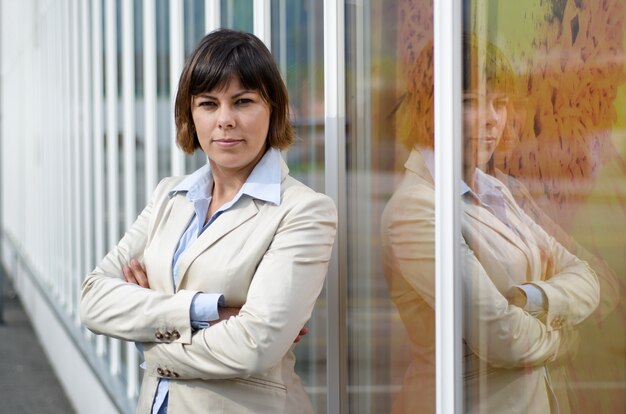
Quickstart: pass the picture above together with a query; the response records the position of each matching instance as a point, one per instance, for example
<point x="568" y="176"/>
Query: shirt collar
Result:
<point x="485" y="183"/>
<point x="263" y="183"/>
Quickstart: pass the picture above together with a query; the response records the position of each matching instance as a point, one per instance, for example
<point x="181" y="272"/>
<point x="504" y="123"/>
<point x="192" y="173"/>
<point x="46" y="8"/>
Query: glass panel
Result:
<point x="391" y="208"/>
<point x="298" y="47"/>
<point x="544" y="221"/>
<point x="237" y="15"/>
<point x="193" y="31"/>
<point x="164" y="114"/>
<point x="140" y="129"/>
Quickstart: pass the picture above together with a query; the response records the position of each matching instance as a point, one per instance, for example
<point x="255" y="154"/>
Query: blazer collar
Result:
<point x="244" y="209"/>
<point x="417" y="163"/>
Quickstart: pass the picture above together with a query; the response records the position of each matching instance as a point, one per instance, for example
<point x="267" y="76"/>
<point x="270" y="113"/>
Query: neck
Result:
<point x="227" y="183"/>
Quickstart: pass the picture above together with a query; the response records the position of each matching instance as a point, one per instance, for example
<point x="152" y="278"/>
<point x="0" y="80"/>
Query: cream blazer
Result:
<point x="507" y="351"/>
<point x="269" y="260"/>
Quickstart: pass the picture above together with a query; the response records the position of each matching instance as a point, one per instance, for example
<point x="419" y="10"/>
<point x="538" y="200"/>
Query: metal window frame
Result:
<point x="129" y="156"/>
<point x="262" y="21"/>
<point x="212" y="15"/>
<point x="112" y="150"/>
<point x="448" y="117"/>
<point x="335" y="187"/>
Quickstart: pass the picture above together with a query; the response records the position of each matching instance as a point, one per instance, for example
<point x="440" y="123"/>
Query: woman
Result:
<point x="523" y="293"/>
<point x="237" y="233"/>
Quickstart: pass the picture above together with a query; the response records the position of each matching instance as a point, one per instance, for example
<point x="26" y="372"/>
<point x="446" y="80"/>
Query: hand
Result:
<point x="303" y="331"/>
<point x="516" y="297"/>
<point x="225" y="313"/>
<point x="135" y="272"/>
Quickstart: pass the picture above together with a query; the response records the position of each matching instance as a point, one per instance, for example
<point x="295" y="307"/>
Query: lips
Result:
<point x="227" y="142"/>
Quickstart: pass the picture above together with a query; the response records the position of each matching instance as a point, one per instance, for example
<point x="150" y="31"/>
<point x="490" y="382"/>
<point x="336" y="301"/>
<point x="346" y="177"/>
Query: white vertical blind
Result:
<point x="335" y="182"/>
<point x="447" y="52"/>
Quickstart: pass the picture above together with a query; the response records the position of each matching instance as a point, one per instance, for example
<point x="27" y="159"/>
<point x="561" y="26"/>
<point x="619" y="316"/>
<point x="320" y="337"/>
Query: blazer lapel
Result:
<point x="229" y="220"/>
<point x="174" y="225"/>
<point x="484" y="216"/>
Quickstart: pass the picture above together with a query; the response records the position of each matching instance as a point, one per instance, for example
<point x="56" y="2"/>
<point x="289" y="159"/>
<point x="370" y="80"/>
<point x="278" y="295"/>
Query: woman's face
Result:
<point x="232" y="126"/>
<point x="484" y="120"/>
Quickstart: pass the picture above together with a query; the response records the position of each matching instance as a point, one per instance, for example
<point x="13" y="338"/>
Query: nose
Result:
<point x="225" y="118"/>
<point x="490" y="113"/>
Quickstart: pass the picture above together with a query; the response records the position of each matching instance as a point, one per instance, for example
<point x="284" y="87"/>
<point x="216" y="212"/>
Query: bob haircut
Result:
<point x="484" y="67"/>
<point x="220" y="56"/>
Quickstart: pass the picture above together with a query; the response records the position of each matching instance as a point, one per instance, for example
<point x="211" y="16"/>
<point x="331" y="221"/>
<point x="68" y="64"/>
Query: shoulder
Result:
<point x="299" y="197"/>
<point x="414" y="193"/>
<point x="165" y="186"/>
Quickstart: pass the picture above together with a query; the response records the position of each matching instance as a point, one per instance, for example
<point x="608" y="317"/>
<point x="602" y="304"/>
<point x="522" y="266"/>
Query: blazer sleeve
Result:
<point x="111" y="306"/>
<point x="504" y="335"/>
<point x="570" y="285"/>
<point x="279" y="302"/>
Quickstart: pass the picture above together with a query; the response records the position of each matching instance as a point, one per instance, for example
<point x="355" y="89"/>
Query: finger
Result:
<point x="139" y="273"/>
<point x="304" y="331"/>
<point x="128" y="275"/>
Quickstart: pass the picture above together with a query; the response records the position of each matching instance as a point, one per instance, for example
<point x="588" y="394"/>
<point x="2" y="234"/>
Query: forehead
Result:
<point x="490" y="93"/>
<point x="231" y="86"/>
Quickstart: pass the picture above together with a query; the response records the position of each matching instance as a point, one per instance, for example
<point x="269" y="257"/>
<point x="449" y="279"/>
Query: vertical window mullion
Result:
<point x="130" y="179"/>
<point x="150" y="93"/>
<point x="447" y="53"/>
<point x="262" y="19"/>
<point x="212" y="15"/>
<point x="98" y="143"/>
<point x="76" y="145"/>
<point x="87" y="189"/>
<point x="112" y="150"/>
<point x="335" y="187"/>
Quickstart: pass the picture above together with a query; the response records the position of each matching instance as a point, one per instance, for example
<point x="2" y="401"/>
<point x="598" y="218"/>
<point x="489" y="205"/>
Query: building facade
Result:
<point x="87" y="132"/>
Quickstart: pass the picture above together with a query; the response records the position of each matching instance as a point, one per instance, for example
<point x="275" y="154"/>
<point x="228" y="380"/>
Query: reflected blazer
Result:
<point x="506" y="350"/>
<point x="271" y="260"/>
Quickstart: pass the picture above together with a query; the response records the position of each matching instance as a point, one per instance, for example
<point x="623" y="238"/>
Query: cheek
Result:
<point x="469" y="121"/>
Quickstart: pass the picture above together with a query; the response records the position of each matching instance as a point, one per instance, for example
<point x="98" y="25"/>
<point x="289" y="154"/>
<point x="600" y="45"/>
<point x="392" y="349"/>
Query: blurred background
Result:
<point x="87" y="133"/>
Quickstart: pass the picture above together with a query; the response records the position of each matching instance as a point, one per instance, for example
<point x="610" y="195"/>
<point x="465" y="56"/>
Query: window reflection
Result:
<point x="543" y="302"/>
<point x="297" y="45"/>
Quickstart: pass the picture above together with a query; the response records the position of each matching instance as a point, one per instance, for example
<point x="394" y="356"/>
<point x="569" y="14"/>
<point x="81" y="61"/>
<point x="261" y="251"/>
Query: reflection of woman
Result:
<point x="238" y="233"/>
<point x="523" y="292"/>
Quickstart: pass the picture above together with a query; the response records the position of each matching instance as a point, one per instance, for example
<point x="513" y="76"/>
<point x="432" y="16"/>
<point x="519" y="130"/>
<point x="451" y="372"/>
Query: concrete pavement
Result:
<point x="27" y="381"/>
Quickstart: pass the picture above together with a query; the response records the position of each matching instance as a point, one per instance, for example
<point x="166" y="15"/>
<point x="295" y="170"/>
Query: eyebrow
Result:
<point x="206" y="95"/>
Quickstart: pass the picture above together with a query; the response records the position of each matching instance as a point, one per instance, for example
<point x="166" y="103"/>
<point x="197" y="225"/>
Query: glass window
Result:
<point x="163" y="113"/>
<point x="544" y="219"/>
<point x="193" y="27"/>
<point x="237" y="15"/>
<point x="297" y="45"/>
<point x="391" y="207"/>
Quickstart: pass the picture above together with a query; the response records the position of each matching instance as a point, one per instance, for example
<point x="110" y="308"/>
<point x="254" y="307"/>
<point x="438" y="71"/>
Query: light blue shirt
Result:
<point x="490" y="196"/>
<point x="263" y="183"/>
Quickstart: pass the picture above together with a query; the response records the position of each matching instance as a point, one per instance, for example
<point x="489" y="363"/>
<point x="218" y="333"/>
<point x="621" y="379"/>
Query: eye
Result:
<point x="243" y="101"/>
<point x="207" y="104"/>
<point x="470" y="101"/>
<point x="500" y="103"/>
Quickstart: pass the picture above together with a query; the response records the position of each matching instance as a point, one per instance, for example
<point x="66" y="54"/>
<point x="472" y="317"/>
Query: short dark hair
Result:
<point x="220" y="56"/>
<point x="484" y="64"/>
